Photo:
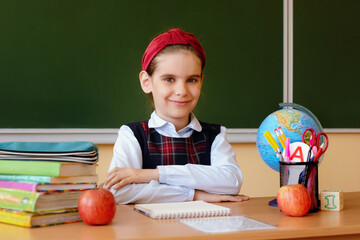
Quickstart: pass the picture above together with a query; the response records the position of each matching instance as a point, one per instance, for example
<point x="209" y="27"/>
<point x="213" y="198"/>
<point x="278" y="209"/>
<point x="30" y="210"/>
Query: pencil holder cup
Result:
<point x="305" y="173"/>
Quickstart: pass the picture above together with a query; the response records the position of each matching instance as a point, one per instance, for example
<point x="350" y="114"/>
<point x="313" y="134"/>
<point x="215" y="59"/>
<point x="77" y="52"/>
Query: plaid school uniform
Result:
<point x="161" y="150"/>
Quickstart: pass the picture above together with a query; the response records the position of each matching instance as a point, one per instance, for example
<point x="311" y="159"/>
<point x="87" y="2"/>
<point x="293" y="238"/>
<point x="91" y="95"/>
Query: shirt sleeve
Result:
<point x="127" y="154"/>
<point x="223" y="176"/>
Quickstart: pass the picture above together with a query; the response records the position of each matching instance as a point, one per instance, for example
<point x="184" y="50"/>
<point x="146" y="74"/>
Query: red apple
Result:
<point x="97" y="206"/>
<point x="294" y="200"/>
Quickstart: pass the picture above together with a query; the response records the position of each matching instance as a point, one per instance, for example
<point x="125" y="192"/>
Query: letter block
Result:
<point x="332" y="200"/>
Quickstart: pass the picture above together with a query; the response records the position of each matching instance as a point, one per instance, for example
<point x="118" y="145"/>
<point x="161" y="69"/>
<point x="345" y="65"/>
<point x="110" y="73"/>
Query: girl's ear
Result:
<point x="145" y="81"/>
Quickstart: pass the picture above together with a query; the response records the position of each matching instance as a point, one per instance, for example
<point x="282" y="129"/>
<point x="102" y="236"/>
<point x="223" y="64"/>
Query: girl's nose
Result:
<point x="181" y="89"/>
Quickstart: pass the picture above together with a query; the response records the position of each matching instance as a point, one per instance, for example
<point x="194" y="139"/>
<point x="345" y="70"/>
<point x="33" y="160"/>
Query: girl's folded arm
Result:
<point x="222" y="177"/>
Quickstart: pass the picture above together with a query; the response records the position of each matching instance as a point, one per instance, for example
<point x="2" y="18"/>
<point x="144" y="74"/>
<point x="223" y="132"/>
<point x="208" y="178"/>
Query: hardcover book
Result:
<point x="27" y="219"/>
<point x="54" y="169"/>
<point x="46" y="187"/>
<point x="49" y="179"/>
<point x="37" y="202"/>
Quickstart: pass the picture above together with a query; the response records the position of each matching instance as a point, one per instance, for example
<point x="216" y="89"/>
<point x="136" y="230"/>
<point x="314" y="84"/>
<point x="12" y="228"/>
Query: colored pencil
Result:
<point x="282" y="134"/>
<point x="280" y="138"/>
<point x="271" y="140"/>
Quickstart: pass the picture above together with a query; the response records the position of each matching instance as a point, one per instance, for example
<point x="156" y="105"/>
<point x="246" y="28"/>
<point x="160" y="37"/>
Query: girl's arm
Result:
<point x="128" y="158"/>
<point x="214" y="183"/>
<point x="222" y="177"/>
<point x="152" y="192"/>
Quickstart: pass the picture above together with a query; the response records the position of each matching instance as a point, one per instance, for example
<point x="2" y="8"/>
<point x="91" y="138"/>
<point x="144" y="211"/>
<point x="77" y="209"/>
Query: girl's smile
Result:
<point x="180" y="103"/>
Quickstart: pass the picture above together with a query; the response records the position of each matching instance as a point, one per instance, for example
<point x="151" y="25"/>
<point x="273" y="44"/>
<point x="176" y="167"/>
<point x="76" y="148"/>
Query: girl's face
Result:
<point x="175" y="86"/>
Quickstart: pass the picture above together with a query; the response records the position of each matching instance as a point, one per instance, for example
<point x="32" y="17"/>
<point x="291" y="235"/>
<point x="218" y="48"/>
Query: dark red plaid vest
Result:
<point x="161" y="150"/>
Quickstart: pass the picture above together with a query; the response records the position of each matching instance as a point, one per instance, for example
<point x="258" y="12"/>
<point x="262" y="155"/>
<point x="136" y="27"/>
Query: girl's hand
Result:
<point x="211" y="197"/>
<point x="119" y="177"/>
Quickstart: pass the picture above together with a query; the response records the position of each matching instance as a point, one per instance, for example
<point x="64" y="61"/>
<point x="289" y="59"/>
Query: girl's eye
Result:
<point x="192" y="80"/>
<point x="169" y="80"/>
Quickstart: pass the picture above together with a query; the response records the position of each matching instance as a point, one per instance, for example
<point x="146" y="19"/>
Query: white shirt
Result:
<point x="176" y="182"/>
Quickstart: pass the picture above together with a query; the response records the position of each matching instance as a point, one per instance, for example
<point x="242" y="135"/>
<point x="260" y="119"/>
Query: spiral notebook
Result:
<point x="182" y="210"/>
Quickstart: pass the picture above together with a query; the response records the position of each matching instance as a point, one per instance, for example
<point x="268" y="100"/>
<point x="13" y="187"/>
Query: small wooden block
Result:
<point x="332" y="200"/>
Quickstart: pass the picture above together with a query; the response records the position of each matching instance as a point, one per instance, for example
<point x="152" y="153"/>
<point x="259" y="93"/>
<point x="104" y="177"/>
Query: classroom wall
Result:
<point x="338" y="171"/>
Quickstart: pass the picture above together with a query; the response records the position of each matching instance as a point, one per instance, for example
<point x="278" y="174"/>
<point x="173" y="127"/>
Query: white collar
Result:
<point x="157" y="122"/>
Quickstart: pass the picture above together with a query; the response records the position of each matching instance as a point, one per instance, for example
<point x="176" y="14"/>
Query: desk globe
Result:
<point x="293" y="119"/>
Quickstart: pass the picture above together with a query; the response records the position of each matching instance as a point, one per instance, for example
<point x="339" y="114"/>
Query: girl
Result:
<point x="173" y="157"/>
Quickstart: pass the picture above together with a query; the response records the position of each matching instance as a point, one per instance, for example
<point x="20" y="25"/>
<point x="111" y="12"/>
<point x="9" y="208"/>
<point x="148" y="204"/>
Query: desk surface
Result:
<point x="129" y="224"/>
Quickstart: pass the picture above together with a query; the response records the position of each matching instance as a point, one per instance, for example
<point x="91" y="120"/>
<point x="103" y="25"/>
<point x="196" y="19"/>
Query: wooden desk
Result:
<point x="129" y="224"/>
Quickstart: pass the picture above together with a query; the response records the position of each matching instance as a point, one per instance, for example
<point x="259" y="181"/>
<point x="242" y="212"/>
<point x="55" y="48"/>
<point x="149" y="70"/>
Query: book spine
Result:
<point x="19" y="185"/>
<point x="30" y="168"/>
<point x="18" y="218"/>
<point x="18" y="199"/>
<point x="25" y="178"/>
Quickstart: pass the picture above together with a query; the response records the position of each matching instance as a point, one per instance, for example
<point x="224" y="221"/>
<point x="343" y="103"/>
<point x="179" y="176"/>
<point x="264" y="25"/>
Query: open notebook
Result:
<point x="182" y="210"/>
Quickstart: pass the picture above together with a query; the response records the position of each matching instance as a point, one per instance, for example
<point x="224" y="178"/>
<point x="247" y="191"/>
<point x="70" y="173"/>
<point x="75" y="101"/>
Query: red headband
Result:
<point x="173" y="37"/>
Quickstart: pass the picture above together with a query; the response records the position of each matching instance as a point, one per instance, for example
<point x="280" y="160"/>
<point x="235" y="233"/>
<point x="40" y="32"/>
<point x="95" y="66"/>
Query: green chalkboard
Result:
<point x="75" y="64"/>
<point x="327" y="60"/>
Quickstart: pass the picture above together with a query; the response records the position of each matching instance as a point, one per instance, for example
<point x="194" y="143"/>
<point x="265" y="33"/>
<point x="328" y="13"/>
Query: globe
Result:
<point x="293" y="119"/>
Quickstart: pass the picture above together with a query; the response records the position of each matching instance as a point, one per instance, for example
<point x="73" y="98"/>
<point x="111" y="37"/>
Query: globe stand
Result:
<point x="273" y="203"/>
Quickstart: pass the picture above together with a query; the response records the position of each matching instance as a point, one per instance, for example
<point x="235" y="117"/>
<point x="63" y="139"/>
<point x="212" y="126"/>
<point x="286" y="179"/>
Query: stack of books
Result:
<point x="41" y="182"/>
